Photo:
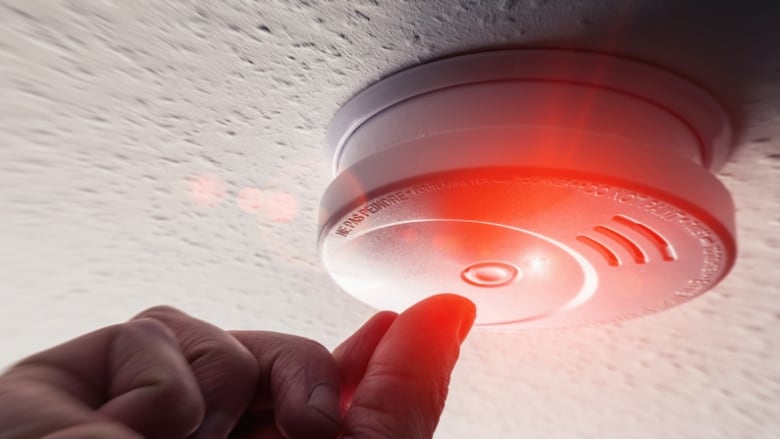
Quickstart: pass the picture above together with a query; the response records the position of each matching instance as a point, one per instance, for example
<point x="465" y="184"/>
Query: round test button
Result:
<point x="490" y="274"/>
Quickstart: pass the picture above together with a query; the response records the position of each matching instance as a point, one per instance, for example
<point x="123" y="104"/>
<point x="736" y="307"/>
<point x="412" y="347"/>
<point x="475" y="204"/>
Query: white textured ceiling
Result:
<point x="128" y="129"/>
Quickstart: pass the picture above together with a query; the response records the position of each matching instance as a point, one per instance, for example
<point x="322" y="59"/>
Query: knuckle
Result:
<point x="165" y="383"/>
<point x="184" y="402"/>
<point x="314" y="348"/>
<point x="303" y="355"/>
<point x="245" y="363"/>
<point x="146" y="326"/>
<point x="228" y="359"/>
<point x="159" y="312"/>
<point x="299" y="350"/>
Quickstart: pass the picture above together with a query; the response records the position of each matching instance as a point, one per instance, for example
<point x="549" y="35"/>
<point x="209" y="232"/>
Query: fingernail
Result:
<point x="324" y="398"/>
<point x="214" y="425"/>
<point x="469" y="314"/>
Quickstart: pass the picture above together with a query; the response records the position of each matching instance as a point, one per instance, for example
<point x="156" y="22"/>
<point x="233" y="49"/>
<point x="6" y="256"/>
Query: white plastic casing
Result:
<point x="552" y="188"/>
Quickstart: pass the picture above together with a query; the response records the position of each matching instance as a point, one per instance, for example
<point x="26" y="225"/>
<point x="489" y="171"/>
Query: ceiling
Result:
<point x="170" y="152"/>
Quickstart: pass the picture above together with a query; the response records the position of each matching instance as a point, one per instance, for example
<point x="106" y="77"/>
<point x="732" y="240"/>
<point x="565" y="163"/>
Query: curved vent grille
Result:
<point x="662" y="244"/>
<point x="608" y="254"/>
<point x="609" y="238"/>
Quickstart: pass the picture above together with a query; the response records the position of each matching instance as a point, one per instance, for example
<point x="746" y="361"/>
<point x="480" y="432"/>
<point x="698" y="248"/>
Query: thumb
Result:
<point x="405" y="385"/>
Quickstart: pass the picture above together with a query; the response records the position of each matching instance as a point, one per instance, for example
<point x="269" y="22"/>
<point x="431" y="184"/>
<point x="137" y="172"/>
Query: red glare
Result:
<point x="282" y="206"/>
<point x="206" y="190"/>
<point x="409" y="234"/>
<point x="250" y="200"/>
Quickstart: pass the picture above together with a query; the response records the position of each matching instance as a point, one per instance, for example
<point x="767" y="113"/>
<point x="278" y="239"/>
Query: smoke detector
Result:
<point x="551" y="188"/>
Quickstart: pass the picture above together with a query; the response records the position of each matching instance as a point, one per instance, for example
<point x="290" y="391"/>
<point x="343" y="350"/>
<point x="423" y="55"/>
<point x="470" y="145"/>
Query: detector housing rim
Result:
<point x="703" y="113"/>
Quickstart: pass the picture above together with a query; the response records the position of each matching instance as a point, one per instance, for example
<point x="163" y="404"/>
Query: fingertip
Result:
<point x="468" y="316"/>
<point x="405" y="384"/>
<point x="383" y="318"/>
<point x="463" y="304"/>
<point x="448" y="310"/>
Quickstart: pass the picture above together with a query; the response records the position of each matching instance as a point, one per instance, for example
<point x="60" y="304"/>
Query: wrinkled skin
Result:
<point x="167" y="375"/>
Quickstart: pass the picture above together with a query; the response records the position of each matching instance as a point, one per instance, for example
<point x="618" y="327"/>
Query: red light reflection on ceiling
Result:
<point x="206" y="190"/>
<point x="250" y="200"/>
<point x="281" y="206"/>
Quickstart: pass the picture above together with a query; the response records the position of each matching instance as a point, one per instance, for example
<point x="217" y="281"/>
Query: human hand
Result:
<point x="167" y="375"/>
<point x="395" y="370"/>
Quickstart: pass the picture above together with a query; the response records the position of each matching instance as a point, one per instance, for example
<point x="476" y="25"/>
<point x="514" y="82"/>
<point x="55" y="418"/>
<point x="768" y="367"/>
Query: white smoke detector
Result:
<point x="552" y="188"/>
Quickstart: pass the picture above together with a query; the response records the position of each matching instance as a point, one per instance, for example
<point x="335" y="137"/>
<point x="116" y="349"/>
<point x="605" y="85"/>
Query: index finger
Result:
<point x="405" y="385"/>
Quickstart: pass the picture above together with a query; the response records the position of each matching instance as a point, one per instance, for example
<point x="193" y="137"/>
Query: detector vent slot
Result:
<point x="637" y="254"/>
<point x="666" y="249"/>
<point x="609" y="255"/>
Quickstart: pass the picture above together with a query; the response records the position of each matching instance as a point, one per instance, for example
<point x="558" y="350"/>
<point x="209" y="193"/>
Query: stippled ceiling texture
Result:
<point x="170" y="152"/>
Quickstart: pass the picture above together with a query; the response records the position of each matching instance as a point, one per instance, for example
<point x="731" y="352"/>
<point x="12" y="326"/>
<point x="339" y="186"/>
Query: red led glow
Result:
<point x="409" y="234"/>
<point x="537" y="263"/>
